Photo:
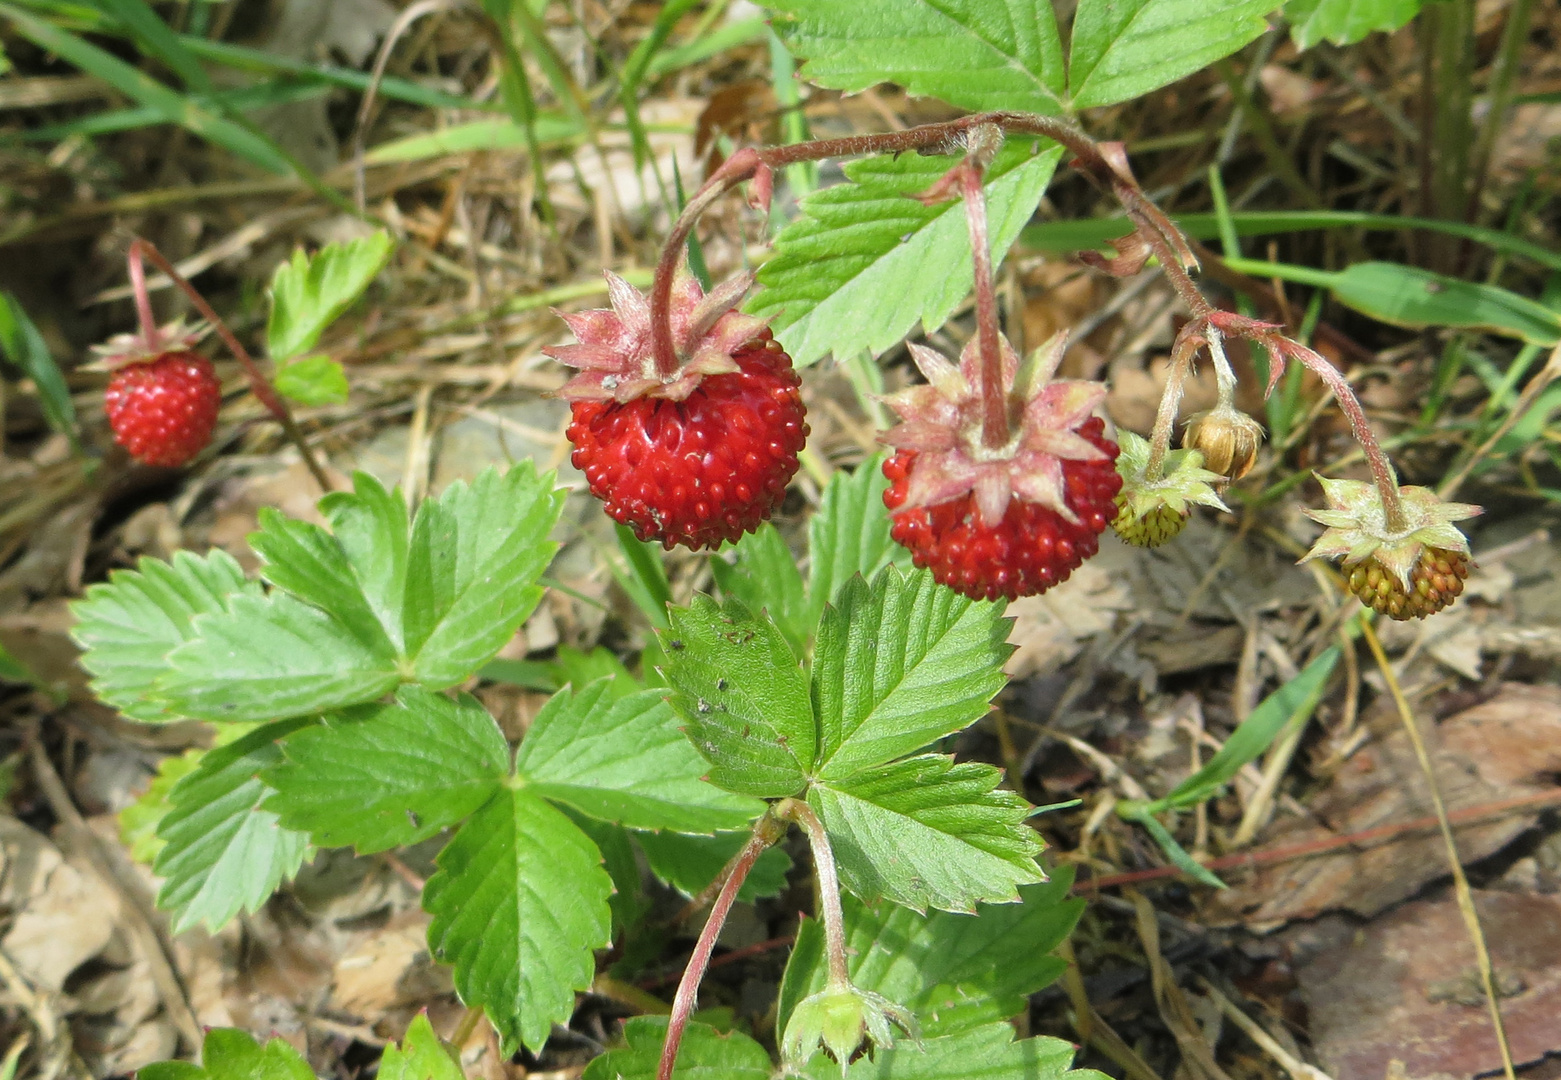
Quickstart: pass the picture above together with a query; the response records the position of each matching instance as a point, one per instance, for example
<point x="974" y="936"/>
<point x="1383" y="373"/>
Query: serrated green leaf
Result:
<point x="313" y="380"/>
<point x="128" y="626"/>
<point x="23" y="345"/>
<point x="764" y="576"/>
<point x="309" y="293"/>
<point x="899" y="664"/>
<point x="628" y="901"/>
<point x="849" y="535"/>
<point x="231" y="1054"/>
<point x="371" y="525"/>
<point x="689" y="863"/>
<point x="475" y="557"/>
<point x="926" y="832"/>
<point x="744" y="696"/>
<point x="138" y="822"/>
<point x="624" y="759"/>
<point x="272" y="657"/>
<point x="223" y="852"/>
<point x="989" y="1052"/>
<point x="575" y="668"/>
<point x="518" y="905"/>
<point x="1344" y="22"/>
<point x="1125" y="48"/>
<point x="973" y="54"/>
<point x="383" y="776"/>
<point x="704" y="1054"/>
<point x="955" y="972"/>
<point x="310" y="563"/>
<point x="849" y="274"/>
<point x="422" y="1055"/>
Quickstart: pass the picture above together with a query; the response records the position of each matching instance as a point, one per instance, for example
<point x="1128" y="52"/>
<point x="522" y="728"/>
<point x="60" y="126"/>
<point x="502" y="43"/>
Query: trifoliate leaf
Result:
<point x="575" y="668"/>
<point x="953" y="971"/>
<point x="372" y="527"/>
<point x="704" y="1054"/>
<point x="421" y="1056"/>
<point x="624" y="760"/>
<point x="1125" y="48"/>
<point x="899" y="664"/>
<point x="744" y="697"/>
<point x="926" y="832"/>
<point x="230" y="1054"/>
<point x="1344" y="22"/>
<point x="311" y="564"/>
<point x="128" y="626"/>
<point x="849" y="535"/>
<point x="272" y="657"/>
<point x="475" y="557"/>
<point x="989" y="1052"/>
<point x="518" y="905"/>
<point x="850" y="273"/>
<point x="313" y="380"/>
<point x="690" y="863"/>
<point x="384" y="776"/>
<point x="973" y="54"/>
<point x="223" y="852"/>
<point x="309" y="293"/>
<point x="764" y="576"/>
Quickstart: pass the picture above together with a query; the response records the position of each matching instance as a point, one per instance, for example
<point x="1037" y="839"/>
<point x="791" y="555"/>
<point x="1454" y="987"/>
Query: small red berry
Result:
<point x="697" y="457"/>
<point x="1031" y="549"/>
<point x="163" y="410"/>
<point x="702" y="470"/>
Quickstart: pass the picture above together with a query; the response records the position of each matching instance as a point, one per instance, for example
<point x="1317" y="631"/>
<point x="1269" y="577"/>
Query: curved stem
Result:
<point x="828" y="877"/>
<point x="1186" y="347"/>
<point x="1224" y="374"/>
<point x="150" y="335"/>
<point x="994" y="395"/>
<point x="765" y="832"/>
<point x="258" y="383"/>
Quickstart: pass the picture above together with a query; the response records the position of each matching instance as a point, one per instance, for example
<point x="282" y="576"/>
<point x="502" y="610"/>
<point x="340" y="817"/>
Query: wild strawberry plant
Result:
<point x="818" y="703"/>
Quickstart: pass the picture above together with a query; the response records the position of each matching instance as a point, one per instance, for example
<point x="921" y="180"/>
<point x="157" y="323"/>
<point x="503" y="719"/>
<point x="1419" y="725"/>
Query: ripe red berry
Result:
<point x="702" y="470"/>
<point x="696" y="457"/>
<point x="1031" y="549"/>
<point x="163" y="410"/>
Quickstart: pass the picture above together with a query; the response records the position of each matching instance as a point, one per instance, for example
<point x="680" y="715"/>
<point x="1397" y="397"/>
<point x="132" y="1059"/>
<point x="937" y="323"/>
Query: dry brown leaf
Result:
<point x="64" y="915"/>
<point x="1507" y="747"/>
<point x="389" y="968"/>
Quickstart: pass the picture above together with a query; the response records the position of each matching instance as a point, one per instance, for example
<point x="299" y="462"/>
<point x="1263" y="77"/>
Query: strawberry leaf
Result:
<point x="851" y="272"/>
<point x="624" y="760"/>
<point x="422" y="1055"/>
<point x="953" y="971"/>
<point x="222" y="851"/>
<point x="313" y="380"/>
<point x="1125" y="48"/>
<point x="229" y="1054"/>
<point x="308" y="293"/>
<point x="689" y="863"/>
<point x="764" y="576"/>
<point x="1344" y="22"/>
<point x="849" y="535"/>
<point x="128" y="626"/>
<point x="518" y="904"/>
<point x="926" y="832"/>
<point x="272" y="657"/>
<point x="745" y="699"/>
<point x="311" y="564"/>
<point x="475" y="556"/>
<point x="704" y="1054"/>
<point x="899" y="664"/>
<point x="973" y="54"/>
<point x="384" y="776"/>
<point x="989" y="1052"/>
<point x="371" y="525"/>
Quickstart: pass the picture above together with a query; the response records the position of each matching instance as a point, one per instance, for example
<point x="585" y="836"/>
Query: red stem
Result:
<point x="828" y="876"/>
<point x="765" y="832"/>
<point x="994" y="395"/>
<point x="151" y="336"/>
<point x="258" y="383"/>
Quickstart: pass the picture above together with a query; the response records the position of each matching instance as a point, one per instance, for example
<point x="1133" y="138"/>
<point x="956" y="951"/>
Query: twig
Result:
<point x="1287" y="1061"/>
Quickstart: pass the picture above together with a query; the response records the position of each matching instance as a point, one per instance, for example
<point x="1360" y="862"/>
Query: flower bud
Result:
<point x="1227" y="438"/>
<point x="838" y="1017"/>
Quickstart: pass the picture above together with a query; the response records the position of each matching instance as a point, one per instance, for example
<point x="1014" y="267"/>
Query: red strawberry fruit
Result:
<point x="162" y="397"/>
<point x="1009" y="521"/>
<point x="697" y="457"/>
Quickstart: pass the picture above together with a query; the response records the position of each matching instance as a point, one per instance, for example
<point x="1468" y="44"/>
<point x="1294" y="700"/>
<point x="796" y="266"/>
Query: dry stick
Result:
<point x="766" y="831"/>
<point x="1461" y="889"/>
<point x="259" y="385"/>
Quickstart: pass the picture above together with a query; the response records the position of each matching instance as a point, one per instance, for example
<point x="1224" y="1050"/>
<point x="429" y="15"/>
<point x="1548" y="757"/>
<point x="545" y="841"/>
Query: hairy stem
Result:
<point x="766" y="831"/>
<point x="150" y="334"/>
<point x="1186" y="347"/>
<point x="258" y="383"/>
<point x="994" y="396"/>
<point x="828" y="887"/>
